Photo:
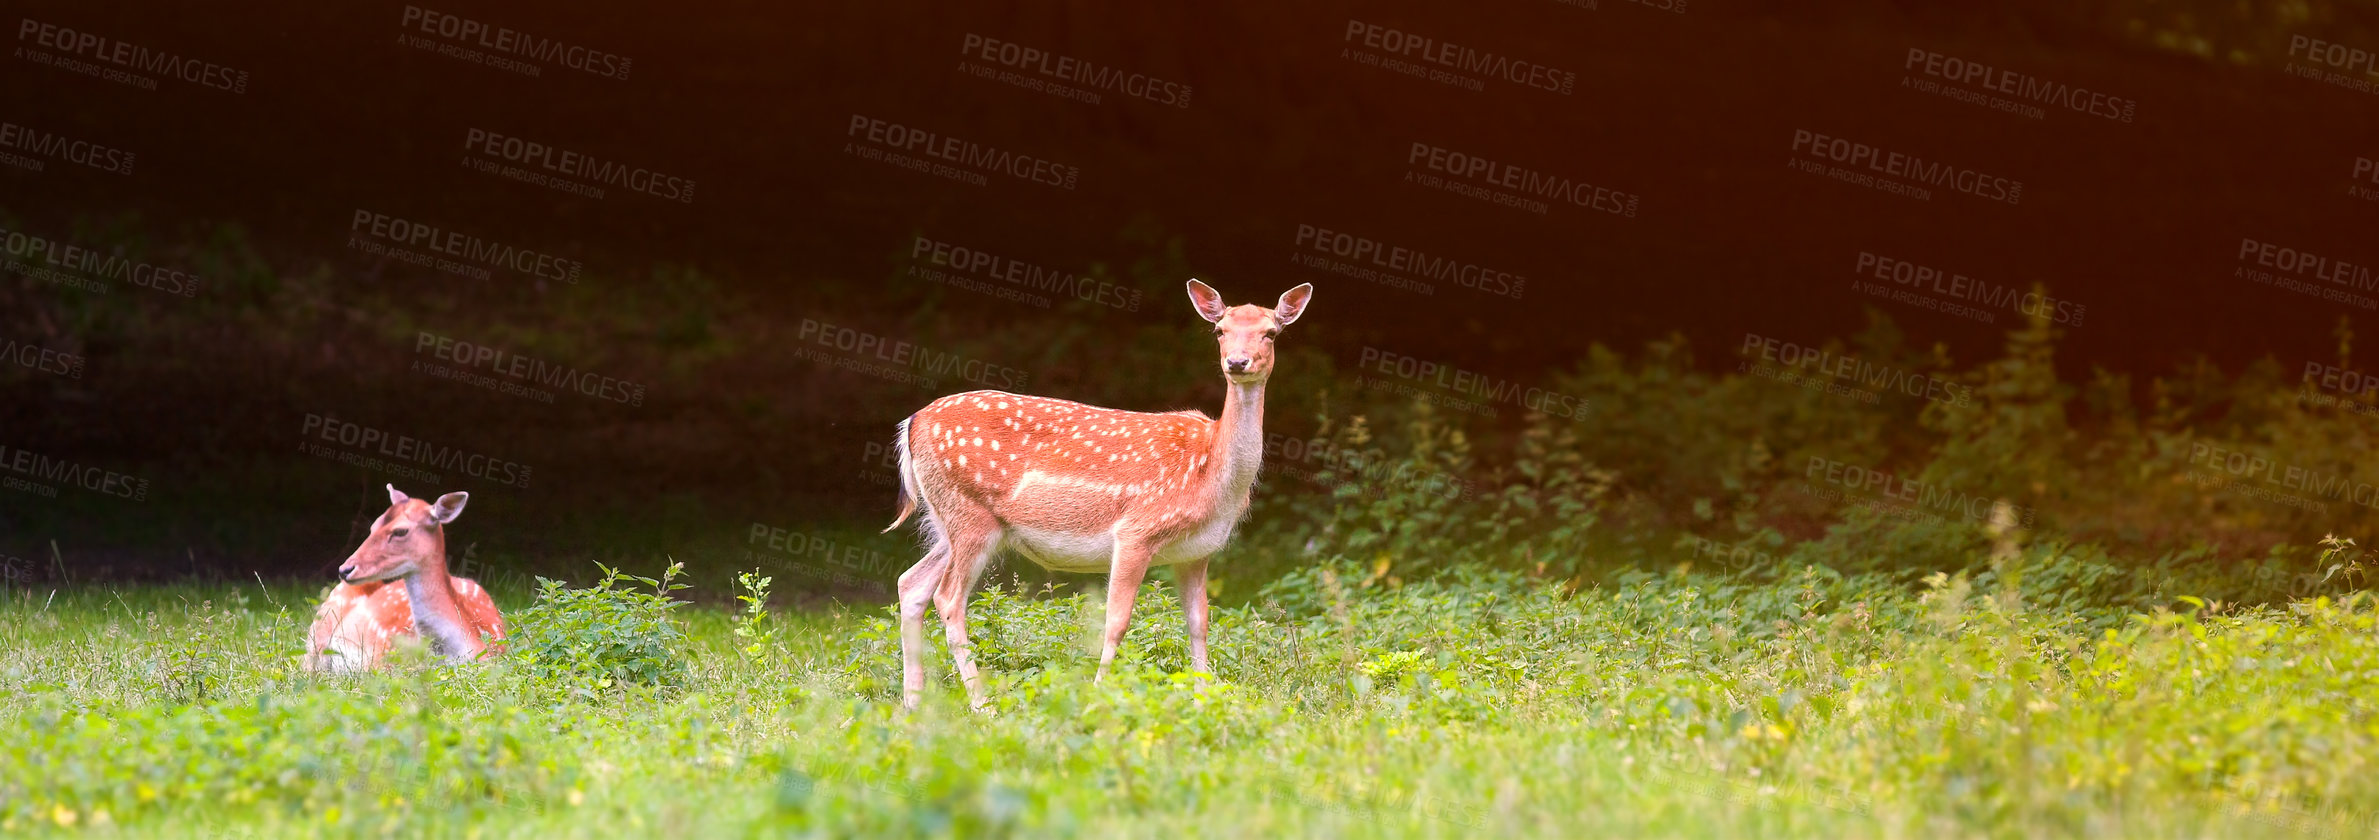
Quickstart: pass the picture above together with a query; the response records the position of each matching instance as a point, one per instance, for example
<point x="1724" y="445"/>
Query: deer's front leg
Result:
<point x="1193" y="611"/>
<point x="1125" y="571"/>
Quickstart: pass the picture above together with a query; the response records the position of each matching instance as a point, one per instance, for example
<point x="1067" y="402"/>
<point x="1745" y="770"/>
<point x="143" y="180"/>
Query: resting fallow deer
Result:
<point x="395" y="586"/>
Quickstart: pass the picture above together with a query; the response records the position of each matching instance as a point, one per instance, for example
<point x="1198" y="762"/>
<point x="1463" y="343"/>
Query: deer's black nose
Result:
<point x="1236" y="364"/>
<point x="347" y="573"/>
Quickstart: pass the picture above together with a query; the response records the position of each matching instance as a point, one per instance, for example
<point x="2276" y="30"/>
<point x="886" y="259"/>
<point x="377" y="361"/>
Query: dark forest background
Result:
<point x="744" y="450"/>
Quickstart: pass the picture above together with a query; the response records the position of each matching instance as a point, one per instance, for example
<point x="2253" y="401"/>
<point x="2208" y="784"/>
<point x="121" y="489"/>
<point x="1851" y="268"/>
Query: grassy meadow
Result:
<point x="1477" y="704"/>
<point x="1713" y="605"/>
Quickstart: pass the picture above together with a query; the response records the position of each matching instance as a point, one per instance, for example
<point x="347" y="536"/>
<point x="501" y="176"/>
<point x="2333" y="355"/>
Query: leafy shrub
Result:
<point x="588" y="640"/>
<point x="1414" y="503"/>
<point x="1013" y="632"/>
<point x="752" y="626"/>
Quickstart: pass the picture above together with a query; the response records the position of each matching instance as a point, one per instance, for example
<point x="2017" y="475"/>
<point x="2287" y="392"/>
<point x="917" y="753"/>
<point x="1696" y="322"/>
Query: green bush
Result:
<point x="592" y="639"/>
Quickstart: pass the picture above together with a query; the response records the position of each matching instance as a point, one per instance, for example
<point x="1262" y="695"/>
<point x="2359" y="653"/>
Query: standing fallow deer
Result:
<point x="369" y="611"/>
<point x="1080" y="488"/>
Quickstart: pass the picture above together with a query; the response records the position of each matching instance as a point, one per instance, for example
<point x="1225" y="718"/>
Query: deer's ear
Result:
<point x="1208" y="301"/>
<point x="1292" y="303"/>
<point x="449" y="506"/>
<point x="396" y="496"/>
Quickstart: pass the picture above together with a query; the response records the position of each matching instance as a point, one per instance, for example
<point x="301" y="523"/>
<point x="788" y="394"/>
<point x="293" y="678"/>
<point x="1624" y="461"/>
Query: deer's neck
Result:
<point x="436" y="613"/>
<point x="1238" y="447"/>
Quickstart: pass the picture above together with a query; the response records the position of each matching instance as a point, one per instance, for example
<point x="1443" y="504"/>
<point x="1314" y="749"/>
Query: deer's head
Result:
<point x="409" y="537"/>
<point x="1245" y="332"/>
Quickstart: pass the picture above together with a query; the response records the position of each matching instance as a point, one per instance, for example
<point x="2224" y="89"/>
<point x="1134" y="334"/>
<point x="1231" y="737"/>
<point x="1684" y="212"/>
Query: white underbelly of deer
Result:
<point x="1062" y="551"/>
<point x="1094" y="551"/>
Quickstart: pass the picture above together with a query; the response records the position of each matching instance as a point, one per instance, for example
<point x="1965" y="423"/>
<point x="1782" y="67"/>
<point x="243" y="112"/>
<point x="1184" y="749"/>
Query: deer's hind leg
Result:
<point x="917" y="587"/>
<point x="971" y="542"/>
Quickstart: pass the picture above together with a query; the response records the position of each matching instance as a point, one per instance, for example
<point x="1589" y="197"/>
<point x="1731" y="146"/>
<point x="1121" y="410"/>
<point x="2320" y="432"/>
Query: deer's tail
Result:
<point x="908" y="476"/>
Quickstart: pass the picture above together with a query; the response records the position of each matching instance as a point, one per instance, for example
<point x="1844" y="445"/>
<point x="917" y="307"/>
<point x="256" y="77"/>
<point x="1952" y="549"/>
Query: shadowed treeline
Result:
<point x="737" y="359"/>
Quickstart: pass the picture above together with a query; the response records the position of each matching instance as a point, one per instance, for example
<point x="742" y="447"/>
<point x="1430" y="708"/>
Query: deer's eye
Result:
<point x="1218" y="332"/>
<point x="1268" y="334"/>
<point x="399" y="533"/>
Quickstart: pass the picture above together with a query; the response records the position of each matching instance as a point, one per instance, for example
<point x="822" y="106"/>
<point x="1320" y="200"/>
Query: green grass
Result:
<point x="1475" y="704"/>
